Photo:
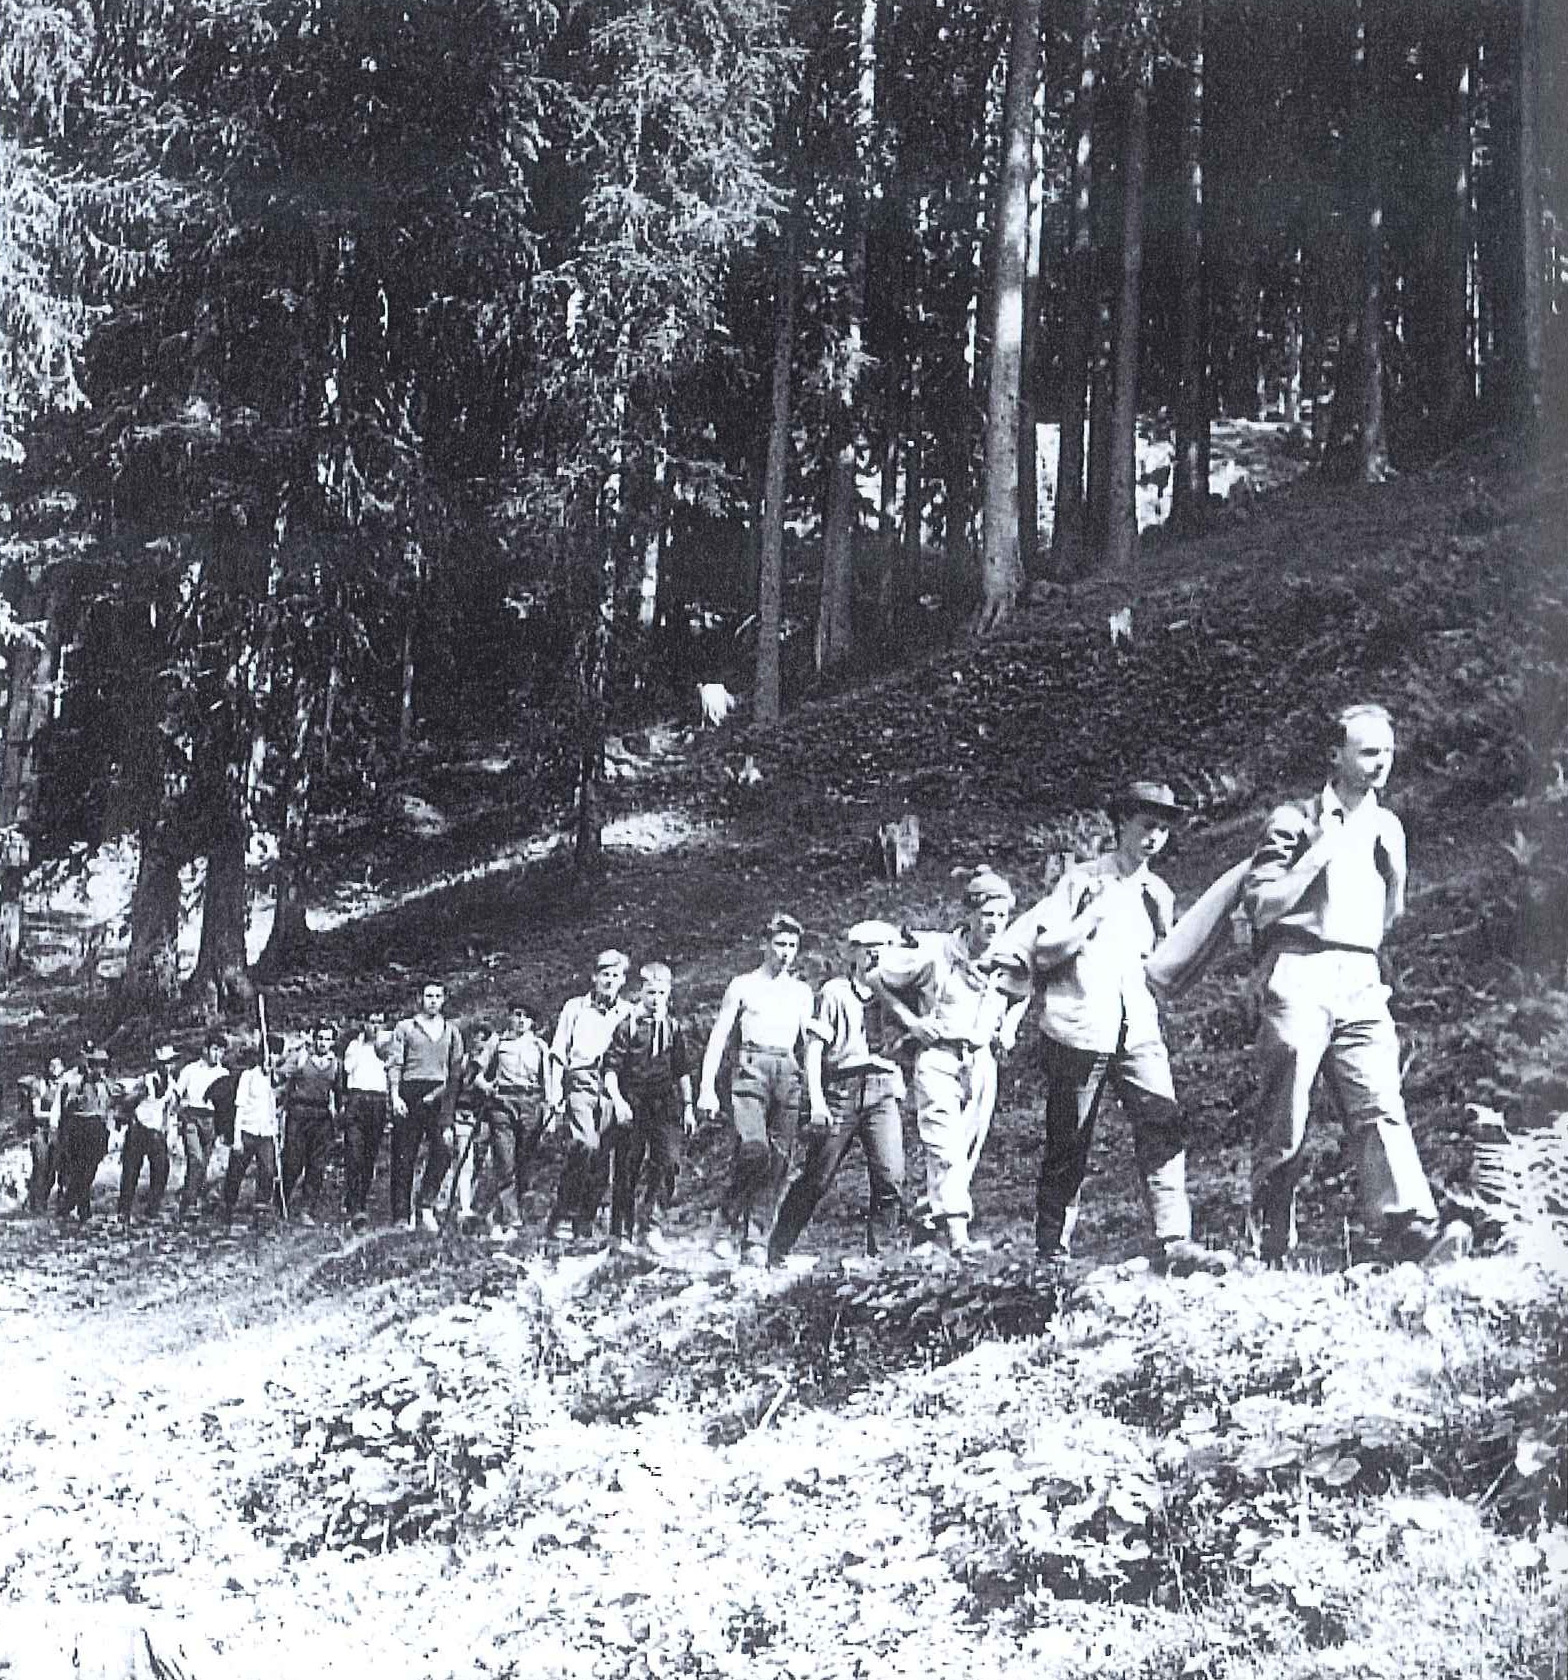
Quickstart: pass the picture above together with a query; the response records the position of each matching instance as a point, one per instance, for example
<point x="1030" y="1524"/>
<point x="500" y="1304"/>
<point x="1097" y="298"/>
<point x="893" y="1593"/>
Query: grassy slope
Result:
<point x="663" y="1473"/>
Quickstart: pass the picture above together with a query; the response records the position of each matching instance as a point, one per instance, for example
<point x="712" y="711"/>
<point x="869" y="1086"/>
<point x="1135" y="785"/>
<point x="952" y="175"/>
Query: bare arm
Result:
<point x="816" y="1097"/>
<point x="723" y="1026"/>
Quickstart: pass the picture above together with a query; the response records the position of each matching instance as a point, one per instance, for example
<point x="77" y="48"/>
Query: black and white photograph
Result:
<point x="784" y="839"/>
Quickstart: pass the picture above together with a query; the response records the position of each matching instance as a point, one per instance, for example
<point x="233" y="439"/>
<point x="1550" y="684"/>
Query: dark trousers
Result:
<point x="585" y="1172"/>
<point x="650" y="1145"/>
<point x="513" y="1125"/>
<point x="364" y="1120"/>
<point x="82" y="1145"/>
<point x="1075" y="1083"/>
<point x="863" y="1107"/>
<point x="198" y="1133"/>
<point x="765" y="1107"/>
<point x="428" y="1121"/>
<point x="42" y="1150"/>
<point x="306" y="1145"/>
<point x="248" y="1150"/>
<point x="143" y="1144"/>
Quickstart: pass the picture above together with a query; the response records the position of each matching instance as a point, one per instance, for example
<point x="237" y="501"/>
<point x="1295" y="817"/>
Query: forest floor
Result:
<point x="302" y="1446"/>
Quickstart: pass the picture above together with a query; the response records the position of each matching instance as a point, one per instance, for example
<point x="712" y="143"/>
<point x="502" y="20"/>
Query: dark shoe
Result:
<point x="1182" y="1257"/>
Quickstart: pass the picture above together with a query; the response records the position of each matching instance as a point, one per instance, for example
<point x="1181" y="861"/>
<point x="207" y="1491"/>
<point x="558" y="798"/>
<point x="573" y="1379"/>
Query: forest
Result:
<point x="371" y="373"/>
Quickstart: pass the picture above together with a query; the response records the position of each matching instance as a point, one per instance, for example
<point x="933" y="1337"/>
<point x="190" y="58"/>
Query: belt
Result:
<point x="960" y="1047"/>
<point x="1289" y="939"/>
<point x="847" y="1076"/>
<point x="516" y="1091"/>
<point x="767" y="1050"/>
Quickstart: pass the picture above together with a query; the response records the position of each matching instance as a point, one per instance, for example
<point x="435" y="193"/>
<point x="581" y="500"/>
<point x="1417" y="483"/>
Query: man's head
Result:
<point x="1144" y="814"/>
<point x="654" y="992"/>
<point x="783" y="933"/>
<point x="609" y="974"/>
<point x="213" y="1051"/>
<point x="375" y="1022"/>
<point x="520" y="1016"/>
<point x="1363" y="750"/>
<point x="321" y="1038"/>
<point x="56" y="1069"/>
<point x="988" y="905"/>
<point x="432" y="997"/>
<point x="163" y="1057"/>
<point x="867" y="941"/>
<point x="94" y="1056"/>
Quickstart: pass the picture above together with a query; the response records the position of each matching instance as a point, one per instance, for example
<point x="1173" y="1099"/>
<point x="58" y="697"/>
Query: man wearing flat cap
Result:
<point x="86" y="1102"/>
<point x="853" y="1090"/>
<point x="1087" y="942"/>
<point x="582" y="1036"/>
<point x="959" y="1011"/>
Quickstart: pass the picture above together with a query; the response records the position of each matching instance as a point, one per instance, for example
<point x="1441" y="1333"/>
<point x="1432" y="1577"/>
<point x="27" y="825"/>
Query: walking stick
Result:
<point x="283" y="1119"/>
<point x="462" y="1161"/>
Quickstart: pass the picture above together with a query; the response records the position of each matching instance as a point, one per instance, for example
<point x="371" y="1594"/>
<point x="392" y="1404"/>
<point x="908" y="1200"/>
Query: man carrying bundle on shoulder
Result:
<point x="582" y="1035"/>
<point x="1086" y="944"/>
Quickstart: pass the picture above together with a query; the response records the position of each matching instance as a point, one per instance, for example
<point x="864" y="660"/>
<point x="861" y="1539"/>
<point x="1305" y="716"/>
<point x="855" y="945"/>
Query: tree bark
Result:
<point x="1189" y="475"/>
<point x="1121" y="521"/>
<point x="1067" y="531"/>
<point x="222" y="982"/>
<point x="1358" y="443"/>
<point x="31" y="674"/>
<point x="767" y="705"/>
<point x="290" y="934"/>
<point x="593" y="696"/>
<point x="835" y="638"/>
<point x="152" y="961"/>
<point x="1529" y="384"/>
<point x="1001" y="576"/>
<point x="1029" y="550"/>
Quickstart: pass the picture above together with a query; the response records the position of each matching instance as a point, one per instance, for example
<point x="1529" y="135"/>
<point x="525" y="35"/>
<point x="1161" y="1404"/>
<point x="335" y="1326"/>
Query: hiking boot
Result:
<point x="1424" y="1242"/>
<point x="1181" y="1257"/>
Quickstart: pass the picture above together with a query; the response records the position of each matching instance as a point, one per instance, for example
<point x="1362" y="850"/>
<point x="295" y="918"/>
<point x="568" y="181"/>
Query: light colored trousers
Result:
<point x="1328" y="1010"/>
<point x="955" y="1097"/>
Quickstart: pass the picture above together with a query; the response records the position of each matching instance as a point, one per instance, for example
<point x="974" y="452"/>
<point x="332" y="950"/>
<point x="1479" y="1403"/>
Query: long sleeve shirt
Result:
<point x="195" y="1083"/>
<point x="417" y="1054"/>
<point x="255" y="1104"/>
<point x="1351" y="899"/>
<point x="963" y="1001"/>
<point x="1094" y="987"/>
<point x="517" y="1062"/>
<point x="584" y="1030"/>
<point x="647" y="1055"/>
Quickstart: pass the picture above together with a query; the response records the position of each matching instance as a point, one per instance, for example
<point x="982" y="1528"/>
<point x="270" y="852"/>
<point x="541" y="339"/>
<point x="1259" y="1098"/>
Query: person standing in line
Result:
<point x="1326" y="884"/>
<point x="86" y="1102"/>
<point x="647" y="1079"/>
<point x="960" y="1014"/>
<point x="310" y="1099"/>
<point x="769" y="1007"/>
<point x="42" y="1095"/>
<point x="364" y="1108"/>
<point x="255" y="1132"/>
<point x="147" y="1132"/>
<point x="515" y="1083"/>
<point x="853" y="1091"/>
<point x="582" y="1035"/>
<point x="198" y="1121"/>
<point x="424" y="1066"/>
<point x="1089" y="941"/>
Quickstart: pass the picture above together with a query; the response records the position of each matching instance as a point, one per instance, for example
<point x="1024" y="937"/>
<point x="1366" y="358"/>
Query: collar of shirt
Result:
<point x="1331" y="805"/>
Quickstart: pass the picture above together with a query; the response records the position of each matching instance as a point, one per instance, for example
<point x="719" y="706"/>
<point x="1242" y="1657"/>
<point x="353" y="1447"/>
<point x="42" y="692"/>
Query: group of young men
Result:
<point x="813" y="1074"/>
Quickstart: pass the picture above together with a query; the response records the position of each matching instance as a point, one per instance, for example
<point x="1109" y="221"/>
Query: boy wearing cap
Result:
<point x="42" y="1093"/>
<point x="647" y="1079"/>
<point x="310" y="1099"/>
<point x="424" y="1067"/>
<point x="198" y="1120"/>
<point x="363" y="1075"/>
<point x="516" y="1082"/>
<point x="960" y="1013"/>
<point x="853" y="1090"/>
<point x="147" y="1134"/>
<point x="1326" y="884"/>
<point x="86" y="1101"/>
<point x="1090" y="939"/>
<point x="769" y="1007"/>
<point x="582" y="1035"/>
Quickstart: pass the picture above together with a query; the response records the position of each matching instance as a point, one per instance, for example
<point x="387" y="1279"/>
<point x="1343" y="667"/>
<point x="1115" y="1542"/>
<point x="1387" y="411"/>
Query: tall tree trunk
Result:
<point x="405" y="711"/>
<point x="652" y="541"/>
<point x="770" y="577"/>
<point x="152" y="961"/>
<point x="1067" y="531"/>
<point x="592" y="707"/>
<point x="1531" y="372"/>
<point x="1001" y="576"/>
<point x="31" y="674"/>
<point x="957" y="477"/>
<point x="1359" y="445"/>
<point x="222" y="982"/>
<point x="1291" y="399"/>
<point x="1121" y="523"/>
<point x="290" y="933"/>
<point x="835" y="637"/>
<point x="1451" y="243"/>
<point x="1189" y="475"/>
<point x="1029" y="550"/>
